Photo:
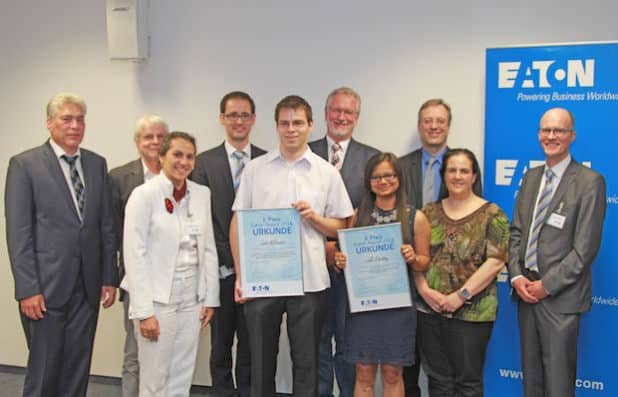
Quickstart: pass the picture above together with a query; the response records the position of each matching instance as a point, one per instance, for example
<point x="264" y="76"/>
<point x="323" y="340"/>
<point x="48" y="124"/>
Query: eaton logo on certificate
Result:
<point x="376" y="274"/>
<point x="270" y="252"/>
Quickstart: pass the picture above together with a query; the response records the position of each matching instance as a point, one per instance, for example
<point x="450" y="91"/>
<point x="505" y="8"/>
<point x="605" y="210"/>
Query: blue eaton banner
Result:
<point x="521" y="84"/>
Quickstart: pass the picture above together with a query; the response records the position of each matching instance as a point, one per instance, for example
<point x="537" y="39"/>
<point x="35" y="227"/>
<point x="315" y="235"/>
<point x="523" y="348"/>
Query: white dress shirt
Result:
<point x="270" y="181"/>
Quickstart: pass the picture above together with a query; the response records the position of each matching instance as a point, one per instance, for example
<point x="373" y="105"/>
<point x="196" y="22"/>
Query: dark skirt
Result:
<point x="381" y="337"/>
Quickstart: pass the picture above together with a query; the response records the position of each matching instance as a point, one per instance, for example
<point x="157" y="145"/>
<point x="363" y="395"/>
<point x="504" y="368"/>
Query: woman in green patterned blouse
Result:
<point x="469" y="246"/>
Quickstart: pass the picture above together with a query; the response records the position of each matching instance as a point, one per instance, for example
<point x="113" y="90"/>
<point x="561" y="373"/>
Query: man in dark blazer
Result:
<point x="555" y="236"/>
<point x="434" y="123"/>
<point x="149" y="134"/>
<point x="219" y="169"/>
<point x="349" y="156"/>
<point x="61" y="245"/>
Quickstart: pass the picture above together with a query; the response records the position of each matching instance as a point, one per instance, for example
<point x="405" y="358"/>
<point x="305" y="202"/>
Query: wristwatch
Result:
<point x="464" y="294"/>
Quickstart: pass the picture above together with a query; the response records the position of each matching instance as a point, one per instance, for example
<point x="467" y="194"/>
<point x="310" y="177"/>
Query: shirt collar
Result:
<point x="561" y="167"/>
<point x="168" y="186"/>
<point x="229" y="149"/>
<point x="59" y="152"/>
<point x="148" y="175"/>
<point x="427" y="155"/>
<point x="344" y="143"/>
<point x="276" y="155"/>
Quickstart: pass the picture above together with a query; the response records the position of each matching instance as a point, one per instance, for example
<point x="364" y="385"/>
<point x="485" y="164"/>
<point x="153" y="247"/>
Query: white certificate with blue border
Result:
<point x="270" y="252"/>
<point x="376" y="274"/>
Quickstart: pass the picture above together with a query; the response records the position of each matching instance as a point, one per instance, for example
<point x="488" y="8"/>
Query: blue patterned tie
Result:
<point x="538" y="220"/>
<point x="241" y="160"/>
<point x="336" y="155"/>
<point x="78" y="186"/>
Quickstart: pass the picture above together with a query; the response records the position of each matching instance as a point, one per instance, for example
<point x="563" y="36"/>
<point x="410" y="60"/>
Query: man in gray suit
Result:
<point x="61" y="245"/>
<point x="149" y="134"/>
<point x="421" y="171"/>
<point x="555" y="236"/>
<point x="220" y="168"/>
<point x="349" y="157"/>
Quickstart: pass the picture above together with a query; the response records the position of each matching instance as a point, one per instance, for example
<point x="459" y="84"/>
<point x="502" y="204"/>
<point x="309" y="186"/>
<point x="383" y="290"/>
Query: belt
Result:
<point x="532" y="275"/>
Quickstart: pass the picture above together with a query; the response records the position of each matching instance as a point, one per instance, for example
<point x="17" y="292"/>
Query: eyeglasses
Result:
<point x="387" y="177"/>
<point x="561" y="132"/>
<point x="238" y="116"/>
<point x="338" y="111"/>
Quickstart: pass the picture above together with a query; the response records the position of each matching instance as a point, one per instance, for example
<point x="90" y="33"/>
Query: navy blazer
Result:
<point x="212" y="168"/>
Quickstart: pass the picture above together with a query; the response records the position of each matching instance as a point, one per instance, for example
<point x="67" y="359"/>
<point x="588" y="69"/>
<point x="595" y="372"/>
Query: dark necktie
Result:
<point x="78" y="186"/>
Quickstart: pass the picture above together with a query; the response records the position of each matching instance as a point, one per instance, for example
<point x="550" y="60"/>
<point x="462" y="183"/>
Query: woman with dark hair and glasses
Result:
<point x="385" y="337"/>
<point x="458" y="305"/>
<point x="171" y="269"/>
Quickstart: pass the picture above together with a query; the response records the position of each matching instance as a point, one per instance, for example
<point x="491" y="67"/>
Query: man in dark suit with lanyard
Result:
<point x="555" y="236"/>
<point x="220" y="168"/>
<point x="61" y="245"/>
<point x="421" y="169"/>
<point x="149" y="134"/>
<point x="349" y="157"/>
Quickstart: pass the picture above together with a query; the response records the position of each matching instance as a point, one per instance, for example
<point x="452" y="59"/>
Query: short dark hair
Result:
<point x="435" y="102"/>
<point x="476" y="170"/>
<point x="167" y="142"/>
<point x="236" y="95"/>
<point x="294" y="102"/>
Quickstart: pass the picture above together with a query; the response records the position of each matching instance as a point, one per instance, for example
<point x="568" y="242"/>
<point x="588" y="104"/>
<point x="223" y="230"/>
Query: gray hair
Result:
<point x="148" y="121"/>
<point x="344" y="91"/>
<point x="61" y="99"/>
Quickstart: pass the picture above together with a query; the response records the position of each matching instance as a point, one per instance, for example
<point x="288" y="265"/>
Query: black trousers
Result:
<point x="304" y="323"/>
<point x="60" y="347"/>
<point x="453" y="354"/>
<point x="229" y="320"/>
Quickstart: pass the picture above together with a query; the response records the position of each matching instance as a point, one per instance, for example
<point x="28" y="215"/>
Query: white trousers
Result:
<point x="166" y="366"/>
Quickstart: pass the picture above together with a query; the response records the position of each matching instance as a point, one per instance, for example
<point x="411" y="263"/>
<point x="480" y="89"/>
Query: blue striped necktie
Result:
<point x="538" y="220"/>
<point x="241" y="160"/>
<point x="78" y="186"/>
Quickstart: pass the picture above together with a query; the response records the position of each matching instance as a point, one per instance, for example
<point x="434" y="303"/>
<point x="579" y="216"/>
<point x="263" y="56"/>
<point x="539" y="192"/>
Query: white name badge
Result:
<point x="556" y="220"/>
<point x="193" y="229"/>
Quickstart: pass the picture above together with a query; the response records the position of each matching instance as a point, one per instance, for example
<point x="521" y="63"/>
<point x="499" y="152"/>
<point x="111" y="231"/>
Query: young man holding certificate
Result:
<point x="292" y="176"/>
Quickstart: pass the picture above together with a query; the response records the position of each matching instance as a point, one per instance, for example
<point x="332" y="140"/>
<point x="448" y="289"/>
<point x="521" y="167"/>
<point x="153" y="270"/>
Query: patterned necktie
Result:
<point x="336" y="158"/>
<point x="241" y="160"/>
<point x="538" y="220"/>
<point x="429" y="182"/>
<point x="78" y="186"/>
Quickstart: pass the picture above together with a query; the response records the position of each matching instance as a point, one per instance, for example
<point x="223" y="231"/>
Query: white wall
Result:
<point x="395" y="53"/>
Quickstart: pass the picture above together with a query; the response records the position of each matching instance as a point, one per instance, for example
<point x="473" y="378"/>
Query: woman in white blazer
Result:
<point x="171" y="269"/>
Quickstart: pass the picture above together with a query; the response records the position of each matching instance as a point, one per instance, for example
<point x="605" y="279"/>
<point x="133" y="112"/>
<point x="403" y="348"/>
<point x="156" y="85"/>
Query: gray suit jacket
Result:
<point x="565" y="255"/>
<point x="122" y="181"/>
<point x="212" y="169"/>
<point x="412" y="167"/>
<point x="353" y="168"/>
<point x="48" y="245"/>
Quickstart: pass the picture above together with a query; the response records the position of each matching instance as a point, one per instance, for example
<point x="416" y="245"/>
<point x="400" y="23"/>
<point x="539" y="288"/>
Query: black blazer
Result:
<point x="353" y="168"/>
<point x="123" y="180"/>
<point x="212" y="169"/>
<point x="49" y="247"/>
<point x="412" y="168"/>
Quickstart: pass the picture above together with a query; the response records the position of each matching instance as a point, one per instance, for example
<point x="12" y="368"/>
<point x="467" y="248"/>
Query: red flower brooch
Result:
<point x="169" y="206"/>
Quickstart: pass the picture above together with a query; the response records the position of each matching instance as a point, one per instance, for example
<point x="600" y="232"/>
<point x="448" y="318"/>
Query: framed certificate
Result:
<point x="375" y="274"/>
<point x="270" y="252"/>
